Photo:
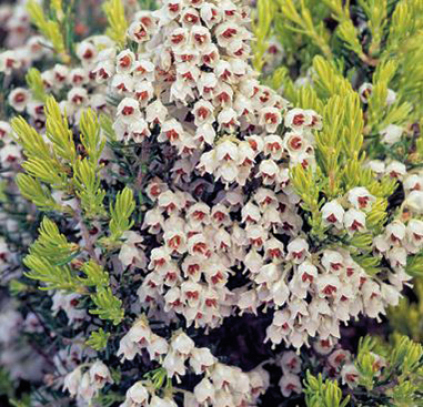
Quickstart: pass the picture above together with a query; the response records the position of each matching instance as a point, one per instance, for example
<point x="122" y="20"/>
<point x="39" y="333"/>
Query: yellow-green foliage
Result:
<point x="118" y="25"/>
<point x="262" y="28"/>
<point x="406" y="318"/>
<point x="36" y="85"/>
<point x="323" y="393"/>
<point x="49" y="28"/>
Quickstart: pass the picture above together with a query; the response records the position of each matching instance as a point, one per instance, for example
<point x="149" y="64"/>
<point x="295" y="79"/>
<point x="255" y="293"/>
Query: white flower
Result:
<point x="129" y="110"/>
<point x="377" y="166"/>
<point x="86" y="52"/>
<point x="18" y="99"/>
<point x="365" y="91"/>
<point x="415" y="232"/>
<point x="290" y="383"/>
<point x="204" y="391"/>
<point x="297" y="119"/>
<point x="100" y="374"/>
<point x="361" y="198"/>
<point x="350" y="375"/>
<point x="414" y="201"/>
<point x="396" y="170"/>
<point x="298" y="250"/>
<point x="183" y="344"/>
<point x="395" y="232"/>
<point x="138" y="393"/>
<point x="290" y="363"/>
<point x="355" y="221"/>
<point x="72" y="381"/>
<point x="87" y="389"/>
<point x="333" y="214"/>
<point x="270" y="118"/>
<point x="201" y="359"/>
<point x="391" y="134"/>
<point x="159" y="402"/>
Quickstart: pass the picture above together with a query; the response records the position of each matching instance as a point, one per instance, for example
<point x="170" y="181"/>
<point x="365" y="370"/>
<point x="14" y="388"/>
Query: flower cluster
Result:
<point x="86" y="385"/>
<point x="221" y="384"/>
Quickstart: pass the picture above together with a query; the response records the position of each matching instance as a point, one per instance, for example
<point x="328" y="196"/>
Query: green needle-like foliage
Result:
<point x="121" y="213"/>
<point x="54" y="277"/>
<point x="98" y="340"/>
<point x="52" y="245"/>
<point x="321" y="393"/>
<point x="118" y="25"/>
<point x="88" y="187"/>
<point x="36" y="85"/>
<point x="108" y="307"/>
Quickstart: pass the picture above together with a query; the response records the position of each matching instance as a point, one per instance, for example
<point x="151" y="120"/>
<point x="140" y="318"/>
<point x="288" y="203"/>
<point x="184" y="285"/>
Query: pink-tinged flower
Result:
<point x="298" y="250"/>
<point x="5" y="131"/>
<point x="143" y="92"/>
<point x="137" y="32"/>
<point x="273" y="146"/>
<point x="339" y="358"/>
<point x="350" y="375"/>
<point x="78" y="97"/>
<point x="290" y="383"/>
<point x="10" y="155"/>
<point x="86" y="52"/>
<point x="395" y="232"/>
<point x="361" y="198"/>
<point x="210" y="14"/>
<point x="100" y="375"/>
<point x="324" y="346"/>
<point x="128" y="110"/>
<point x="297" y="119"/>
<point x="156" y="113"/>
<point x="143" y="70"/>
<point x="139" y="131"/>
<point x="333" y="214"/>
<point x="104" y="70"/>
<point x="204" y="391"/>
<point x="78" y="77"/>
<point x="72" y="382"/>
<point x="415" y="232"/>
<point x="61" y="74"/>
<point x="396" y="170"/>
<point x="137" y="394"/>
<point x="9" y="62"/>
<point x="328" y="286"/>
<point x="201" y="359"/>
<point x="290" y="363"/>
<point x="365" y="92"/>
<point x="270" y="118"/>
<point x="19" y="99"/>
<point x="355" y="221"/>
<point x="333" y="261"/>
<point x="203" y="113"/>
<point x="226" y="33"/>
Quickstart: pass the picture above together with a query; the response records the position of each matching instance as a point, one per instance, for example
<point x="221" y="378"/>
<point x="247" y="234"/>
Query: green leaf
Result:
<point x="108" y="307"/>
<point x="121" y="214"/>
<point x="52" y="245"/>
<point x="98" y="340"/>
